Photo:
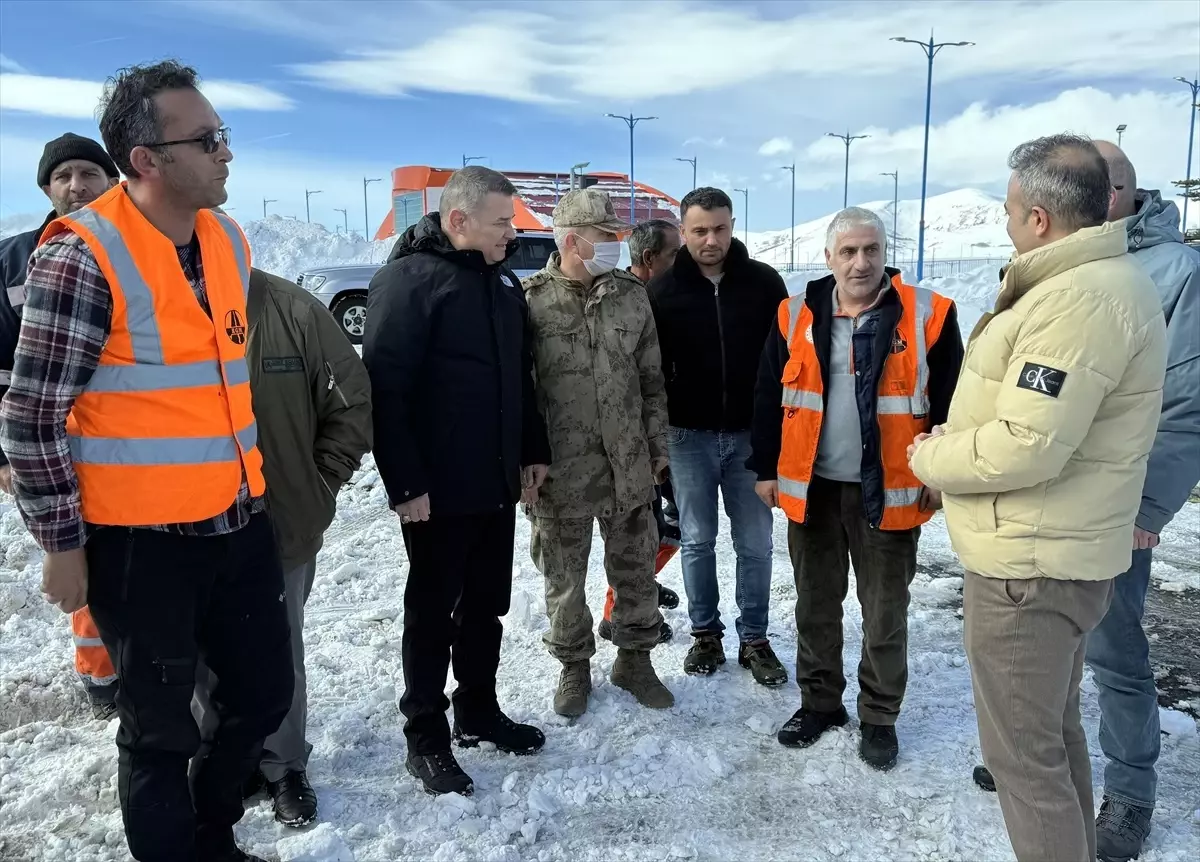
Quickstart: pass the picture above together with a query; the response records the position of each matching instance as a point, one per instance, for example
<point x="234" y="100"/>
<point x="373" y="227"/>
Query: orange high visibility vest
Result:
<point x="164" y="430"/>
<point x="902" y="406"/>
<point x="92" y="662"/>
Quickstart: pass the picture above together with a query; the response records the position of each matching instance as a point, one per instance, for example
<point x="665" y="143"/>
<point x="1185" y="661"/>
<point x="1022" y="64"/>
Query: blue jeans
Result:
<point x="703" y="462"/>
<point x="1119" y="656"/>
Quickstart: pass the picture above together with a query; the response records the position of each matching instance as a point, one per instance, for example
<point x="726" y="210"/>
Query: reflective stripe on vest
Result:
<point x="147" y="378"/>
<point x="239" y="250"/>
<point x="79" y="641"/>
<point x="161" y="451"/>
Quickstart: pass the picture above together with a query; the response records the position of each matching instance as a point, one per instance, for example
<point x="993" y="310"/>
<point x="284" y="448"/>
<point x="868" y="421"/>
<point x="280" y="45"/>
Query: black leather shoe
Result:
<point x="439" y="773"/>
<point x="806" y="726"/>
<point x="983" y="777"/>
<point x="667" y="598"/>
<point x="500" y="730"/>
<point x="295" y="800"/>
<point x="879" y="746"/>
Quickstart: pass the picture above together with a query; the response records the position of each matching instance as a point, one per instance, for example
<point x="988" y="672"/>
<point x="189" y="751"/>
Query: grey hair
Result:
<point x="1066" y="176"/>
<point x="468" y="188"/>
<point x="649" y="236"/>
<point x="560" y="236"/>
<point x="852" y="217"/>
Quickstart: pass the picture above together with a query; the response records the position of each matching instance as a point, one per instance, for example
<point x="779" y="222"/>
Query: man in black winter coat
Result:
<point x="458" y="440"/>
<point x="714" y="309"/>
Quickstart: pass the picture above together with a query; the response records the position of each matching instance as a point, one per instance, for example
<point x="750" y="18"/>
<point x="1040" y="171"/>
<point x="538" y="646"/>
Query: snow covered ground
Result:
<point x="705" y="780"/>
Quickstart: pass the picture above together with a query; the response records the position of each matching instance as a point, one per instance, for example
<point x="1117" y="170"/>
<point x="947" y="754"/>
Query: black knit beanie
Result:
<point x="69" y="147"/>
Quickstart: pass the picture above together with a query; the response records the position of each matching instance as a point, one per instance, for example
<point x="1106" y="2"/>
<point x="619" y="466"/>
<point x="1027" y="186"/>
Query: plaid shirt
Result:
<point x="65" y="323"/>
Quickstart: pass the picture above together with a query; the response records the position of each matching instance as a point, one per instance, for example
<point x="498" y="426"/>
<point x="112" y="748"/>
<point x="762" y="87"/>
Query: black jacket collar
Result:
<point x="687" y="271"/>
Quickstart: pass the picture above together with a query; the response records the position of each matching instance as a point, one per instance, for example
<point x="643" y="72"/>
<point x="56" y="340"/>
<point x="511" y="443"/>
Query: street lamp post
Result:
<point x="1195" y="87"/>
<point x="745" y="215"/>
<point x="1121" y="131"/>
<point x="366" y="218"/>
<point x="307" y="196"/>
<point x="631" y="121"/>
<point x="895" y="175"/>
<point x="265" y="202"/>
<point x="930" y="48"/>
<point x="345" y="219"/>
<point x="792" y="258"/>
<point x="847" y="138"/>
<point x="468" y="159"/>
<point x="691" y="161"/>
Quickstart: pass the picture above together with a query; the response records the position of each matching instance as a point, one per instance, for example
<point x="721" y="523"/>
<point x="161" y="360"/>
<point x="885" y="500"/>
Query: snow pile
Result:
<point x="703" y="781"/>
<point x="960" y="224"/>
<point x="288" y="247"/>
<point x="21" y="222"/>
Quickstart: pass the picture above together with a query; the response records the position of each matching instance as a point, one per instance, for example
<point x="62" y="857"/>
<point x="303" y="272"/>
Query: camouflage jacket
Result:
<point x="600" y="387"/>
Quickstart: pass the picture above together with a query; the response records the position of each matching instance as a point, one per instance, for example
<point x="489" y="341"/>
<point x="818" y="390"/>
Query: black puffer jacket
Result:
<point x="712" y="338"/>
<point x="14" y="264"/>
<point x="447" y="347"/>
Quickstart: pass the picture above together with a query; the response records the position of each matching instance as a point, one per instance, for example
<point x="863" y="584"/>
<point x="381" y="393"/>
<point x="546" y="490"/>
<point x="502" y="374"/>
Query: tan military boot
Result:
<point x="633" y="672"/>
<point x="574" y="686"/>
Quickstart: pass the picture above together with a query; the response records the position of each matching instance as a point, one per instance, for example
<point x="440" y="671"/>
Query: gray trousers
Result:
<point x="286" y="749"/>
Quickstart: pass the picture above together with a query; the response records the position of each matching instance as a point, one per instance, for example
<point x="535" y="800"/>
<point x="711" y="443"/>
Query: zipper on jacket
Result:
<point x="326" y="484"/>
<point x="333" y="384"/>
<point x="721" y="341"/>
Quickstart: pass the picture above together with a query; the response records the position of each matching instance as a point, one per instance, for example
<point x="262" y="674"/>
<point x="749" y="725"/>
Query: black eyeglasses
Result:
<point x="211" y="141"/>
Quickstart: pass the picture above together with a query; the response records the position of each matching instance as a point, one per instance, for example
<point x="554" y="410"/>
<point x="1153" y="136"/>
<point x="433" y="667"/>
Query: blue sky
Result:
<point x="320" y="93"/>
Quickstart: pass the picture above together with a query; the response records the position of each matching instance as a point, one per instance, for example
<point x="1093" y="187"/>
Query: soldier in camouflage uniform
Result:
<point x="600" y="387"/>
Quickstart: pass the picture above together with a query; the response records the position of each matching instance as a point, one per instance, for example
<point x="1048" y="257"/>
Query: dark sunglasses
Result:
<point x="211" y="141"/>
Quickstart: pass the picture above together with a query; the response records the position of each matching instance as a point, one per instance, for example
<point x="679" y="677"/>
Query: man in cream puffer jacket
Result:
<point x="1041" y="464"/>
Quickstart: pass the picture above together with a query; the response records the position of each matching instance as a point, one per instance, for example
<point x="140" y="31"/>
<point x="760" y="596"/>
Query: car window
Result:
<point x="537" y="251"/>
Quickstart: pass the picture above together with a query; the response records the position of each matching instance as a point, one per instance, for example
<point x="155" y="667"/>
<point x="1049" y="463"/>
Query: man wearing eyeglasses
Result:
<point x="131" y="435"/>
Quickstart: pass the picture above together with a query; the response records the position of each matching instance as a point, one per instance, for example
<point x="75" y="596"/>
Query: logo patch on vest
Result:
<point x="808" y="334"/>
<point x="1041" y="378"/>
<point x="899" y="343"/>
<point x="278" y="364"/>
<point x="235" y="328"/>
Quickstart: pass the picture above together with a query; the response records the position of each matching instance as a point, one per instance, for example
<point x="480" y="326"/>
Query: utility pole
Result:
<point x="847" y="138"/>
<point x="307" y="211"/>
<point x="631" y="121"/>
<point x="345" y="220"/>
<point x="468" y="159"/>
<point x="745" y="215"/>
<point x="692" y="162"/>
<point x="792" y="259"/>
<point x="1121" y="131"/>
<point x="930" y="48"/>
<point x="265" y="202"/>
<point x="366" y="218"/>
<point x="1195" y="87"/>
<point x="895" y="175"/>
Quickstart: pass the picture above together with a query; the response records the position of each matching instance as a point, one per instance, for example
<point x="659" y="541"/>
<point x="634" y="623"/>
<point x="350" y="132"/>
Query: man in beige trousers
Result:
<point x="1041" y="464"/>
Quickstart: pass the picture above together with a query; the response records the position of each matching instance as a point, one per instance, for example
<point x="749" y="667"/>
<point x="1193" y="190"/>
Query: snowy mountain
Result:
<point x="960" y="224"/>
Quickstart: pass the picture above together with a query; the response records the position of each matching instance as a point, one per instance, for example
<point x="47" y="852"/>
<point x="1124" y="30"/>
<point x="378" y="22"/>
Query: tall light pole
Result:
<point x="1121" y="131"/>
<point x="366" y="219"/>
<point x="1195" y="87"/>
<point x="895" y="175"/>
<point x="265" y="202"/>
<point x="345" y="220"/>
<point x="692" y="161"/>
<point x="792" y="259"/>
<point x="468" y="159"/>
<point x="307" y="196"/>
<point x="847" y="138"/>
<point x="745" y="215"/>
<point x="930" y="48"/>
<point x="631" y="121"/>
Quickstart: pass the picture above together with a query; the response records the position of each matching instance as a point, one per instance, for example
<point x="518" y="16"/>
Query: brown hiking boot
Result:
<point x="633" y="672"/>
<point x="574" y="686"/>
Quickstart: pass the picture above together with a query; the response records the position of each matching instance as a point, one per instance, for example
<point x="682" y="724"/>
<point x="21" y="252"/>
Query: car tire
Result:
<point x="350" y="312"/>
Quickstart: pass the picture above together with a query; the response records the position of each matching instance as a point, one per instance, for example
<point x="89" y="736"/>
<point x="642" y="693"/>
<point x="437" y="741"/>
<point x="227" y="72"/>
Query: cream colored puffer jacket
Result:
<point x="1045" y="449"/>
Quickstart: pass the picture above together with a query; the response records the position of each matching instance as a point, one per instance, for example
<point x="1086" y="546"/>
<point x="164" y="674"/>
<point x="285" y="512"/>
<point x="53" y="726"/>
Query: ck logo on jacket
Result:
<point x="1041" y="378"/>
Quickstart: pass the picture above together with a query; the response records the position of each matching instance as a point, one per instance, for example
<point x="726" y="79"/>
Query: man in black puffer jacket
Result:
<point x="714" y="309"/>
<point x="458" y="440"/>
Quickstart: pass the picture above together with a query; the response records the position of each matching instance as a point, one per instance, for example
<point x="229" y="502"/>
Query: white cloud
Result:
<point x="972" y="148"/>
<point x="711" y="143"/>
<point x="7" y="64"/>
<point x="73" y="98"/>
<point x="775" y="146"/>
<point x="522" y="55"/>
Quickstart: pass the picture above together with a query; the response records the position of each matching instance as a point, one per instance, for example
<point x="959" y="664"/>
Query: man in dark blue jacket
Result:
<point x="73" y="172"/>
<point x="458" y="441"/>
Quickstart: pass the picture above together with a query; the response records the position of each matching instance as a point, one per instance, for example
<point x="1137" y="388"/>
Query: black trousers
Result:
<point x="459" y="583"/>
<point x="161" y="601"/>
<point x="885" y="562"/>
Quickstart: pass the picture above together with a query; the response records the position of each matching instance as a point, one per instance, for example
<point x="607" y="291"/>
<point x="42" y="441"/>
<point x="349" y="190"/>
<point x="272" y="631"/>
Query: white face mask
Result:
<point x="605" y="256"/>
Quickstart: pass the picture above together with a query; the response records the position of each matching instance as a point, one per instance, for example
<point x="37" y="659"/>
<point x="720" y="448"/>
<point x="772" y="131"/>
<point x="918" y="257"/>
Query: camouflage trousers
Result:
<point x="560" y="548"/>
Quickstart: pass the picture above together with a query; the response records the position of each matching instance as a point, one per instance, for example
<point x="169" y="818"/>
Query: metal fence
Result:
<point x="934" y="267"/>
